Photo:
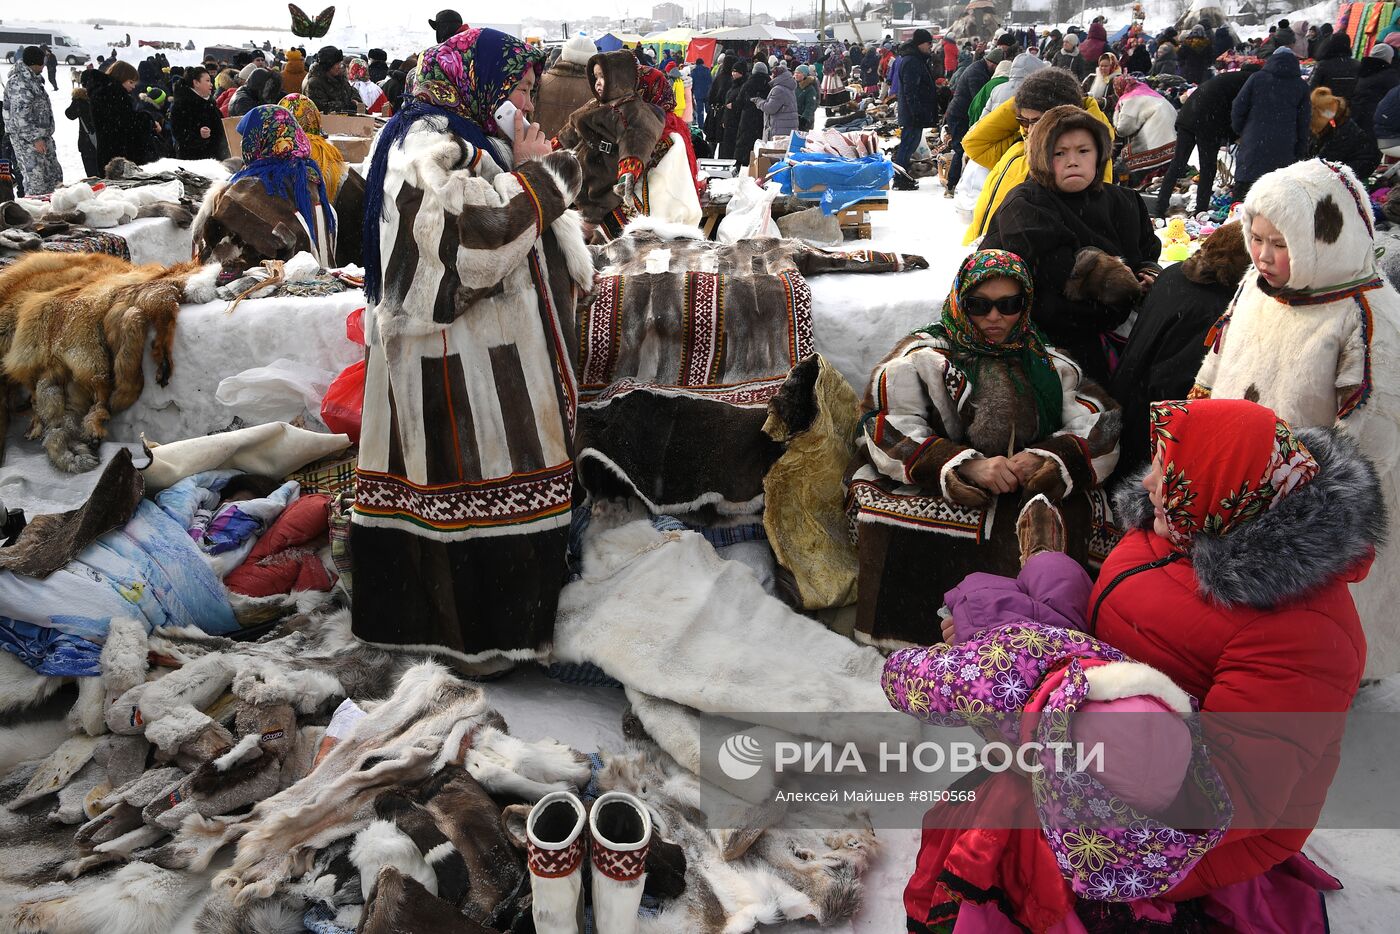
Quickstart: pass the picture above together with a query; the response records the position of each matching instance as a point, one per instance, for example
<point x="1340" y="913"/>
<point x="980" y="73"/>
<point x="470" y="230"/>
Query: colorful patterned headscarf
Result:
<point x="472" y="73"/>
<point x="1125" y="86"/>
<point x="463" y="80"/>
<point x="1025" y="341"/>
<point x="323" y="152"/>
<point x="277" y="153"/>
<point x="357" y="70"/>
<point x="1225" y="462"/>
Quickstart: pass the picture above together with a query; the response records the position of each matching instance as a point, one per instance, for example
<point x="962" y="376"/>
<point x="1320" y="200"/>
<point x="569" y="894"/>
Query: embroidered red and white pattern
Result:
<point x="510" y="500"/>
<point x="799" y="299"/>
<point x="619" y="865"/>
<point x="703" y="329"/>
<point x="554" y="864"/>
<point x="599" y="337"/>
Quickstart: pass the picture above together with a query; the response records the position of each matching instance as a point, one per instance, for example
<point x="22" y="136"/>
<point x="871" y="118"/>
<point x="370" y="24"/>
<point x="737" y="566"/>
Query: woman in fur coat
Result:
<point x="566" y="86"/>
<point x="119" y="129"/>
<point x="465" y="479"/>
<point x="1167" y="342"/>
<point x="1314" y="333"/>
<point x="967" y="420"/>
<point x="1336" y="137"/>
<point x="1091" y="245"/>
<point x="1219" y="614"/>
<point x="1146" y="123"/>
<point x="274" y="207"/>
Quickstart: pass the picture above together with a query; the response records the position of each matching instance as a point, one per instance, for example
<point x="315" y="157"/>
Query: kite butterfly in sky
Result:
<point x="308" y="28"/>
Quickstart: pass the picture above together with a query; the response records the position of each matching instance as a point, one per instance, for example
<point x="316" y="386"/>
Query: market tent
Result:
<point x="1118" y="36"/>
<point x="676" y="39"/>
<point x="755" y="33"/>
<point x="612" y="41"/>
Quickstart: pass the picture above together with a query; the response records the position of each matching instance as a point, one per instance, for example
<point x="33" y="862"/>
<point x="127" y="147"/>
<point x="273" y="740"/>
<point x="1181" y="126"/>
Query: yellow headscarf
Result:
<point x="327" y="158"/>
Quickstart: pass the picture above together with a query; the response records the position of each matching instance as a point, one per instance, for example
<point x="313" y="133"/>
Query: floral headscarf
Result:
<point x="323" y="152"/>
<point x="1224" y="463"/>
<point x="472" y="73"/>
<point x="357" y="70"/>
<point x="1024" y="342"/>
<point x="307" y="114"/>
<point x="1125" y="86"/>
<point x="463" y="80"/>
<point x="277" y="153"/>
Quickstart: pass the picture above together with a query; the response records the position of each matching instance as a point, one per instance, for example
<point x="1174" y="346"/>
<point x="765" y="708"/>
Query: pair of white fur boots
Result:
<point x="617" y="836"/>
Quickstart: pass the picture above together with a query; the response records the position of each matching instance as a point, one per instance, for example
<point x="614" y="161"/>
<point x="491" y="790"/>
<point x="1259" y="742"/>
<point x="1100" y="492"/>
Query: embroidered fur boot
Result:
<point x="620" y="834"/>
<point x="1039" y="528"/>
<point x="554" y="843"/>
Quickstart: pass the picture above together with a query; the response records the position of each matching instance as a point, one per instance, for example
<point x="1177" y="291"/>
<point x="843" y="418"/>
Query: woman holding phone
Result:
<point x="472" y="260"/>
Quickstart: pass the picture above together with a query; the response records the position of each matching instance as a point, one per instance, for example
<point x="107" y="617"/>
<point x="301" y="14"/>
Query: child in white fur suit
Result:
<point x="1314" y="334"/>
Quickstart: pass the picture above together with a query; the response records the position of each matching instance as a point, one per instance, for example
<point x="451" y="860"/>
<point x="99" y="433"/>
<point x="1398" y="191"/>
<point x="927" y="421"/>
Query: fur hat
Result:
<point x="1323" y="213"/>
<point x="1326" y="107"/>
<point x="1221" y="260"/>
<point x="1048" y="88"/>
<point x="328" y="57"/>
<point x="32" y="55"/>
<point x="920" y="37"/>
<point x="1040" y="144"/>
<point x="578" y="50"/>
<point x="619" y="74"/>
<point x="1096" y="276"/>
<point x="378" y="55"/>
<point x="447" y="23"/>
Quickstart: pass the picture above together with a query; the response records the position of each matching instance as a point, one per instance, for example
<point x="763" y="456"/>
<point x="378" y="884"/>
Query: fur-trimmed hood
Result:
<point x="1222" y="259"/>
<point x="1324" y="214"/>
<point x="1317" y="533"/>
<point x="1057" y="121"/>
<point x="619" y="75"/>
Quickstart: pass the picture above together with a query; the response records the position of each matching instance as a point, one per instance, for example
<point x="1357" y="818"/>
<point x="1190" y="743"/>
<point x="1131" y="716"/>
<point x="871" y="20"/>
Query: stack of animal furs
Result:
<point x="188" y="744"/>
<point x="73" y="331"/>
<point x="309" y="781"/>
<point x="682" y="342"/>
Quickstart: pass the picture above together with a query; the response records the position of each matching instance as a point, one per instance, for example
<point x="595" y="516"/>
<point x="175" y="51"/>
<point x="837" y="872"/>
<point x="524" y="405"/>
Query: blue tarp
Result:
<point x="846" y="181"/>
<point x="608" y="43"/>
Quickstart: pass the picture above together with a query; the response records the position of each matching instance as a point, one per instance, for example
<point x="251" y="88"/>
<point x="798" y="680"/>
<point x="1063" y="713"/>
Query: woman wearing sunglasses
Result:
<point x="968" y="423"/>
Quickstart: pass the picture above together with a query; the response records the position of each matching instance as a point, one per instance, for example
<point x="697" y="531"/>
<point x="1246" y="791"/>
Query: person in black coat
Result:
<point x="970" y="81"/>
<point x="1195" y="55"/>
<point x="1224" y="40"/>
<point x="195" y="120"/>
<point x="51" y="66"/>
<point x="1138" y="61"/>
<point x="1167" y="343"/>
<point x="1271" y="115"/>
<point x="750" y="126"/>
<point x="1335" y="68"/>
<point x="1203" y="126"/>
<point x="1337" y="138"/>
<point x="1375" y="80"/>
<point x="262" y="87"/>
<point x="918" y="100"/>
<point x="80" y="111"/>
<point x="119" y="129"/>
<point x="733" y="107"/>
<point x="1090" y="245"/>
<point x="714" y="101"/>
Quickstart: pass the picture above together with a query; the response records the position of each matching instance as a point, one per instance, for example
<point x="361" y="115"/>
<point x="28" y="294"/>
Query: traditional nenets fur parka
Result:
<point x="1324" y="349"/>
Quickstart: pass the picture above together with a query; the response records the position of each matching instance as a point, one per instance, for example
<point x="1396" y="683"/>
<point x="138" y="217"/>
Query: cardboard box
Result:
<point x="350" y="134"/>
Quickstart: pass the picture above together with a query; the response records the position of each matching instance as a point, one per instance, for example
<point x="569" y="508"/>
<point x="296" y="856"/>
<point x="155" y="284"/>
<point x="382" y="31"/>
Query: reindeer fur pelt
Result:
<point x="73" y="333"/>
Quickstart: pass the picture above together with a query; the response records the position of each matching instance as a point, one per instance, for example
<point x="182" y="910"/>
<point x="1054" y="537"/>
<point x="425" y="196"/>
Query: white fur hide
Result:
<point x="20" y="686"/>
<point x="382" y="844"/>
<point x="24" y="742"/>
<point x="138" y="898"/>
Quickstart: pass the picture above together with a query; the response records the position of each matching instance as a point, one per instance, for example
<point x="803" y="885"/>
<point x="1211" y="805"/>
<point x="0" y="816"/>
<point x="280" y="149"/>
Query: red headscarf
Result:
<point x="1224" y="462"/>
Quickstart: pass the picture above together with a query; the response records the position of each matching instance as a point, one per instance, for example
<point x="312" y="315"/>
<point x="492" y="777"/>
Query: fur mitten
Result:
<point x="1101" y="278"/>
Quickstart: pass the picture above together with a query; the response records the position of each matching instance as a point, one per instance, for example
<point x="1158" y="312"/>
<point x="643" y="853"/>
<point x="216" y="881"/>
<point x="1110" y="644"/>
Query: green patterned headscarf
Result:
<point x="1025" y="342"/>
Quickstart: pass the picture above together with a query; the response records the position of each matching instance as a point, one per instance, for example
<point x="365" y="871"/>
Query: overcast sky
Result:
<point x="273" y="13"/>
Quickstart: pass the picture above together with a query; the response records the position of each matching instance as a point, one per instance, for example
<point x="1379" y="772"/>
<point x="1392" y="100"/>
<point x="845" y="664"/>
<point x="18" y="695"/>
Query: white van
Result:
<point x="13" y="39"/>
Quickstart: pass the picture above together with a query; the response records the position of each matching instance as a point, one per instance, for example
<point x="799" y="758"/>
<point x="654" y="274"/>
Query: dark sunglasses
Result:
<point x="976" y="306"/>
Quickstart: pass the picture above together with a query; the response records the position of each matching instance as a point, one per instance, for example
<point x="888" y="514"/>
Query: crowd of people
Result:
<point x="1236" y="400"/>
<point x="154" y="110"/>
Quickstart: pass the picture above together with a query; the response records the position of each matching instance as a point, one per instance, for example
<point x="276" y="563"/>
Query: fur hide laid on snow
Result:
<point x="73" y="333"/>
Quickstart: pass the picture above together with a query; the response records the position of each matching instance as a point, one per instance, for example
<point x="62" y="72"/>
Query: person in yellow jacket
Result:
<point x="997" y="141"/>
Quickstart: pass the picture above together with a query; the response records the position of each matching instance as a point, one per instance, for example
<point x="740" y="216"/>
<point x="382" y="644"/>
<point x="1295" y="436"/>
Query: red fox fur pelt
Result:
<point x="73" y="332"/>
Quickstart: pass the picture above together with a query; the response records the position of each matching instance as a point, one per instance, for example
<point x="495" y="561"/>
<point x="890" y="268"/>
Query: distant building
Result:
<point x="668" y="14"/>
